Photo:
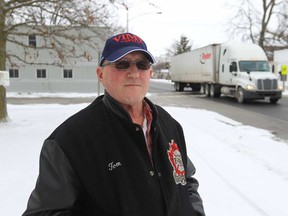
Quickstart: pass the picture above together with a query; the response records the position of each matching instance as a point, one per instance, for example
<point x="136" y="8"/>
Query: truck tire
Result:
<point x="207" y="90"/>
<point x="179" y="87"/>
<point x="176" y="86"/>
<point x="273" y="100"/>
<point x="214" y="91"/>
<point x="196" y="87"/>
<point x="240" y="96"/>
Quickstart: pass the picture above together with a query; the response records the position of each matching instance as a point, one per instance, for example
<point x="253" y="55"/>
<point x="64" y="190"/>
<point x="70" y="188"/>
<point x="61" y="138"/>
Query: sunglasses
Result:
<point x="125" y="64"/>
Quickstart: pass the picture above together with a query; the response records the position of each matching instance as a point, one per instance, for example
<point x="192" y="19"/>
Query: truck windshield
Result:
<point x="245" y="66"/>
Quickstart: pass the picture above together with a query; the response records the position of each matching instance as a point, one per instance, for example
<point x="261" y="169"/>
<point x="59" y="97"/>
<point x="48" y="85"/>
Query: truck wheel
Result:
<point x="196" y="87"/>
<point x="240" y="96"/>
<point x="214" y="91"/>
<point x="207" y="90"/>
<point x="273" y="100"/>
<point x="176" y="86"/>
<point x="179" y="86"/>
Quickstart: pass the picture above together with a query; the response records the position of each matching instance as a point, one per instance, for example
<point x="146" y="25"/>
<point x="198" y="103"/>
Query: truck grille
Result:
<point x="267" y="84"/>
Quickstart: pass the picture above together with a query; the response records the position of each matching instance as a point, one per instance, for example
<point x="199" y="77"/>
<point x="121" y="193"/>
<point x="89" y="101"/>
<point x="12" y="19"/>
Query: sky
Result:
<point x="242" y="170"/>
<point x="203" y="22"/>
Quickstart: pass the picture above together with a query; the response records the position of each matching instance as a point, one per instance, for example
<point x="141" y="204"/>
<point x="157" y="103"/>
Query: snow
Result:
<point x="242" y="170"/>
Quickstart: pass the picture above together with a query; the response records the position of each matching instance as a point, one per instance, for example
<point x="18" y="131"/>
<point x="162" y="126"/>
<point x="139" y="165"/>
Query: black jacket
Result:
<point x="96" y="164"/>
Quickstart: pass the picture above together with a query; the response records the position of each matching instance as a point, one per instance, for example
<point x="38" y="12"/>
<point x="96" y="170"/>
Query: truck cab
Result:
<point x="244" y="72"/>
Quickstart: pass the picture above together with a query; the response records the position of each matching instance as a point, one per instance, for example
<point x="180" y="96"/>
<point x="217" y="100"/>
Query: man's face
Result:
<point x="128" y="86"/>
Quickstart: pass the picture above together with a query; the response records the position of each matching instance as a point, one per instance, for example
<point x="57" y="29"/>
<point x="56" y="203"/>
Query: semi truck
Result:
<point x="238" y="70"/>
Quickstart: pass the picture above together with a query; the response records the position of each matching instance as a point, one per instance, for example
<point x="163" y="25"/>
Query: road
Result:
<point x="260" y="114"/>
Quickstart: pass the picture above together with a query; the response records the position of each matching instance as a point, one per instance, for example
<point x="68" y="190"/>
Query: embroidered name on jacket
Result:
<point x="176" y="161"/>
<point x="113" y="165"/>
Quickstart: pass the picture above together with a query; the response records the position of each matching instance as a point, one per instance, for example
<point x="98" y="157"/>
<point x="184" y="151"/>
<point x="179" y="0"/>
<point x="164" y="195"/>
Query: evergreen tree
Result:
<point x="181" y="46"/>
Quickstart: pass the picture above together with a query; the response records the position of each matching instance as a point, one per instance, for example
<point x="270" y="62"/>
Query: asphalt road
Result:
<point x="260" y="114"/>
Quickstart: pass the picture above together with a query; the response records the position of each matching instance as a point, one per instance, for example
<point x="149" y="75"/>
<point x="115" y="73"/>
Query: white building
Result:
<point x="47" y="66"/>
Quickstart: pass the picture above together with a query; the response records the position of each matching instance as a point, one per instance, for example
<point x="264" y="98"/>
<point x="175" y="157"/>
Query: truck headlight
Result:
<point x="250" y="87"/>
<point x="280" y="87"/>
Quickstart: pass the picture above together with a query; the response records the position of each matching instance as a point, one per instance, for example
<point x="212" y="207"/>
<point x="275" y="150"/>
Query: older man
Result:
<point x="120" y="156"/>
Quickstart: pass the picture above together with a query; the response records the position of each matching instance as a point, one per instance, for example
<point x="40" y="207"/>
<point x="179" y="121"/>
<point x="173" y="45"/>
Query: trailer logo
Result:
<point x="204" y="57"/>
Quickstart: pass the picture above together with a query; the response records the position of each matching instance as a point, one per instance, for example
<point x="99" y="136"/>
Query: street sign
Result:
<point x="284" y="69"/>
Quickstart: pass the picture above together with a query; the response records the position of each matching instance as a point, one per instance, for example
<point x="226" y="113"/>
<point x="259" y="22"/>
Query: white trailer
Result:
<point x="238" y="70"/>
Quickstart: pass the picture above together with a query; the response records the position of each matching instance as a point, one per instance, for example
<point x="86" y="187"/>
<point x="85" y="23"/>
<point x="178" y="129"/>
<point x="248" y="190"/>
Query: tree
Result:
<point x="38" y="16"/>
<point x="263" y="22"/>
<point x="162" y="63"/>
<point x="181" y="46"/>
<point x="178" y="47"/>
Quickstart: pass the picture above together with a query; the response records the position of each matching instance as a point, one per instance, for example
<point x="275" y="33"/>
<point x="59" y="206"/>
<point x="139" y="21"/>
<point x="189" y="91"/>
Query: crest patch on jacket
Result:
<point x="176" y="161"/>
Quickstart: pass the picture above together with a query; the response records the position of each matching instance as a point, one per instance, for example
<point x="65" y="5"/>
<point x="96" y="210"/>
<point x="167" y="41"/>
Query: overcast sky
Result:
<point x="203" y="22"/>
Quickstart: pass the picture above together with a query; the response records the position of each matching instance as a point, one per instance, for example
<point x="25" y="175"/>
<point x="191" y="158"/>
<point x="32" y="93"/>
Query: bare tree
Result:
<point x="51" y="20"/>
<point x="161" y="63"/>
<point x="263" y="22"/>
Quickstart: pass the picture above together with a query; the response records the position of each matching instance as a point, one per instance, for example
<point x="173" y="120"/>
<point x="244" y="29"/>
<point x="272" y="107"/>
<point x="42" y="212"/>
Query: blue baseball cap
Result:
<point x="120" y="45"/>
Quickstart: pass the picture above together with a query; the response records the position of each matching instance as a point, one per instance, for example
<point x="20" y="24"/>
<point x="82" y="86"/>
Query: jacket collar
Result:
<point x="119" y="110"/>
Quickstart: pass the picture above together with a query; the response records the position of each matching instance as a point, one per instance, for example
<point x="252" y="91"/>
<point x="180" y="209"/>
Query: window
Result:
<point x="13" y="73"/>
<point x="32" y="40"/>
<point x="233" y="67"/>
<point x="67" y="73"/>
<point x="41" y="73"/>
<point x="246" y="66"/>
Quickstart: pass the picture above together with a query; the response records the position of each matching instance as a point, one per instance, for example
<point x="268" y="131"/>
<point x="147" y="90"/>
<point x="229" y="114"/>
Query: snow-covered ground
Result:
<point x="242" y="170"/>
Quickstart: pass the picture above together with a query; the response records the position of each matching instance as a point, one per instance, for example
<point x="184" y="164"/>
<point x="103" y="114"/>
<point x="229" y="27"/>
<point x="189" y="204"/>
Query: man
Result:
<point x="120" y="156"/>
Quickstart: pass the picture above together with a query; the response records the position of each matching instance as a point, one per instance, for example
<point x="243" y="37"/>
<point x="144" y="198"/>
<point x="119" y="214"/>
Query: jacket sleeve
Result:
<point x="57" y="188"/>
<point x="193" y="185"/>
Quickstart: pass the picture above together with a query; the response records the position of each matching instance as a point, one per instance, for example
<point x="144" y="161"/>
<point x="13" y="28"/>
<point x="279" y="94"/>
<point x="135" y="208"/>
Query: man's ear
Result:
<point x="99" y="73"/>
